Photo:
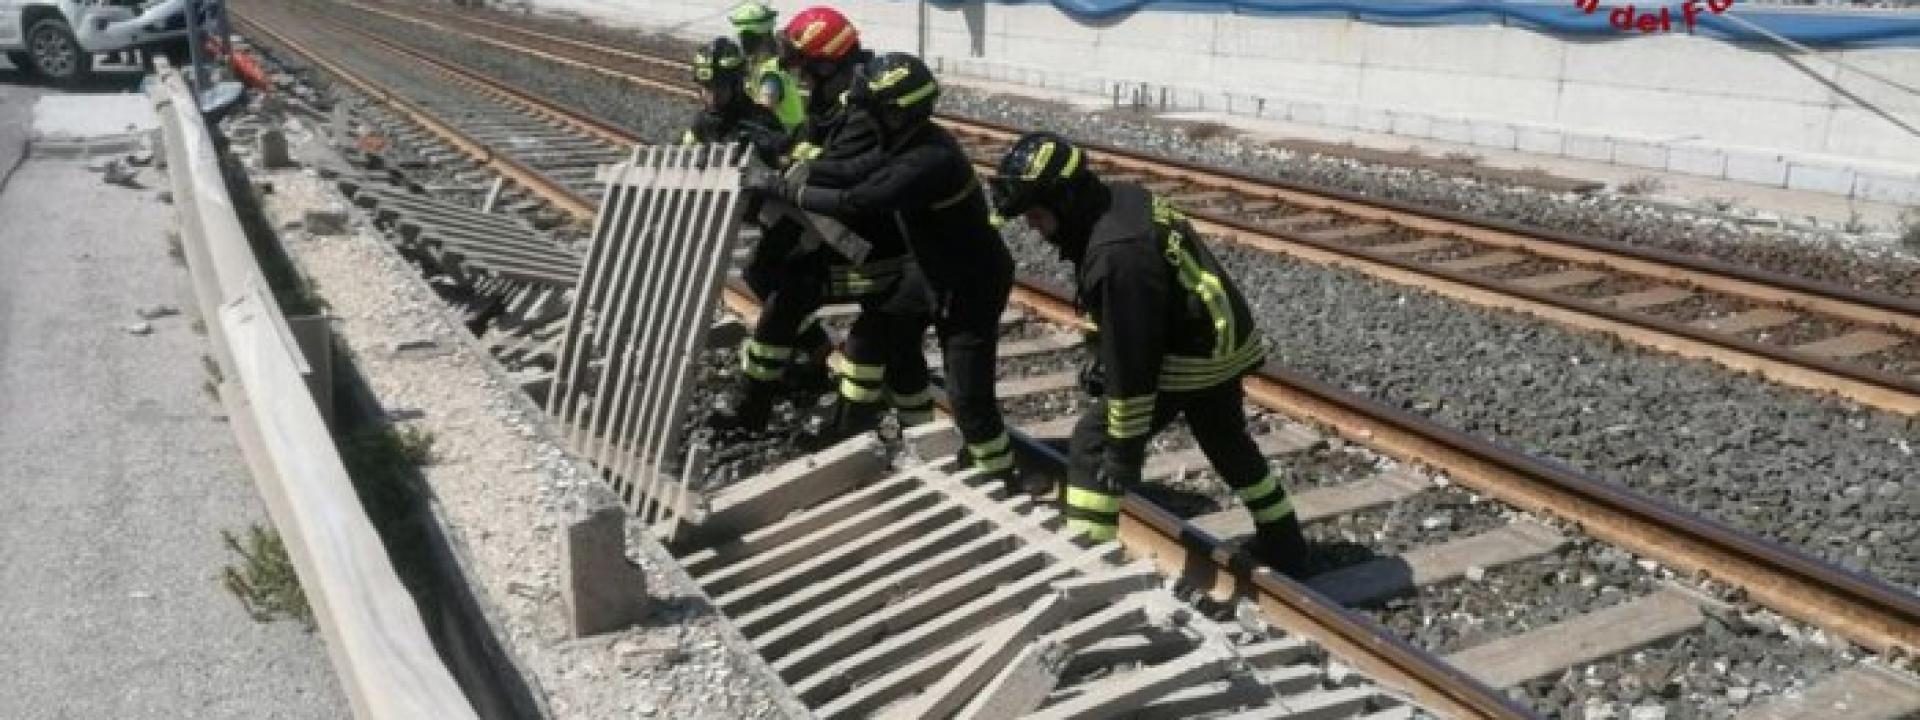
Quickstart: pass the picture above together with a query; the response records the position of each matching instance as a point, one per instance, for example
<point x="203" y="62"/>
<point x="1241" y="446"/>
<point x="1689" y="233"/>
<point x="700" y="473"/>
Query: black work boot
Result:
<point x="808" y="376"/>
<point x="843" y="420"/>
<point x="747" y="414"/>
<point x="1280" y="545"/>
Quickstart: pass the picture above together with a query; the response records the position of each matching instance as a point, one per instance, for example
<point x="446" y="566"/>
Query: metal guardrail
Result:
<point x="637" y="327"/>
<point x="374" y="635"/>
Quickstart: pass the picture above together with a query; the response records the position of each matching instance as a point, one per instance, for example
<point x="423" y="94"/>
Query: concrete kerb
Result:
<point x="589" y="498"/>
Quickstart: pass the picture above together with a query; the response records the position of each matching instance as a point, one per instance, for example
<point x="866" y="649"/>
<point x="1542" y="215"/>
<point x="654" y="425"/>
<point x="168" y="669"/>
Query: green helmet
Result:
<point x="753" y="17"/>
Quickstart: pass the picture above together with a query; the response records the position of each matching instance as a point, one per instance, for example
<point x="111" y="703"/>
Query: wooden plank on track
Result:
<point x="1481" y="261"/>
<point x="1755" y="319"/>
<point x="1857" y="693"/>
<point x="1851" y="344"/>
<point x="1544" y="651"/>
<point x="1384" y="488"/>
<point x="1385" y="577"/>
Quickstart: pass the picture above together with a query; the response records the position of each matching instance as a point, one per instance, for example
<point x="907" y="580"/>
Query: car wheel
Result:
<point x="55" y="53"/>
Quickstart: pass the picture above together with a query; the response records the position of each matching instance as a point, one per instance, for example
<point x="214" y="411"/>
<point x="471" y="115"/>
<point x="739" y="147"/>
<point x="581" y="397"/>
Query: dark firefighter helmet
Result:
<point x="719" y="64"/>
<point x="897" y="88"/>
<point x="1040" y="169"/>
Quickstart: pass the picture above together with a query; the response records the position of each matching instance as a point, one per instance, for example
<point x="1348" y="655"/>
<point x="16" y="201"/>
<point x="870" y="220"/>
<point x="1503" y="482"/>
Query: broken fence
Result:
<point x="631" y="350"/>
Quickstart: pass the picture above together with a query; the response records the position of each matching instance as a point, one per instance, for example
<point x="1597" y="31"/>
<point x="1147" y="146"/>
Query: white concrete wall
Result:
<point x="1663" y="101"/>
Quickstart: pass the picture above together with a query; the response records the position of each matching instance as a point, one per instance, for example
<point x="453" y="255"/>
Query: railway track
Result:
<point x="519" y="282"/>
<point x="1797" y="332"/>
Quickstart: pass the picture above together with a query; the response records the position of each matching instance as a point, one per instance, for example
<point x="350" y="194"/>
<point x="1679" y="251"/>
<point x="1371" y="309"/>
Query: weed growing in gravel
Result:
<point x="1642" y="185"/>
<point x="1464" y="158"/>
<point x="176" y="250"/>
<point x="265" y="581"/>
<point x="1910" y="229"/>
<point x="199" y="326"/>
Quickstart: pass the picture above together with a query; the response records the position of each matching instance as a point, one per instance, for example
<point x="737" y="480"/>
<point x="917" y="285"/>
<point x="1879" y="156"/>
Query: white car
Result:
<point x="58" y="38"/>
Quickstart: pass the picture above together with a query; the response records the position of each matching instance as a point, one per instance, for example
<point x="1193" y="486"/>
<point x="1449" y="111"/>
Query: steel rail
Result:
<point x="1824" y="297"/>
<point x="1864" y="609"/>
<point x="1426" y="677"/>
<point x="1866" y="385"/>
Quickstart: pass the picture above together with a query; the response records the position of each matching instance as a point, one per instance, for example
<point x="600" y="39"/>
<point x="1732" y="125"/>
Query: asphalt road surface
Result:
<point x="118" y="477"/>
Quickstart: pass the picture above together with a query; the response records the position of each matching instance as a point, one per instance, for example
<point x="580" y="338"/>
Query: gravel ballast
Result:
<point x="504" y="488"/>
<point x="1814" y="472"/>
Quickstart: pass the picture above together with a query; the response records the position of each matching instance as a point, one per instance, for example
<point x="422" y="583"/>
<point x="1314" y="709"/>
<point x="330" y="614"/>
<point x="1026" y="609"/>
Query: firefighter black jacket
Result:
<point x="1166" y="316"/>
<point x="927" y="186"/>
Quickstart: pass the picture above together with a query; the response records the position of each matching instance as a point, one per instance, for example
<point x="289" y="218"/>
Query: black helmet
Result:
<point x="719" y="63"/>
<point x="897" y="88"/>
<point x="1040" y="169"/>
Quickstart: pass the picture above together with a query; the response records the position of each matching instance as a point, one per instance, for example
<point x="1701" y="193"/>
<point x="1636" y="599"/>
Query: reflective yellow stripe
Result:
<point x="990" y="447"/>
<point x="1097" y="532"/>
<point x="688" y="138"/>
<point x="1278" y="511"/>
<point x="1072" y="164"/>
<point x="768" y="352"/>
<point x="1266" y="487"/>
<point x="1208" y="287"/>
<point x="973" y="181"/>
<point x="1130" y="416"/>
<point x="838" y="43"/>
<point x="1038" y="162"/>
<point x="912" y="400"/>
<point x="1092" y="500"/>
<point x="859" y="393"/>
<point x="869" y="373"/>
<point x="1180" y="373"/>
<point x="918" y="94"/>
<point x="763" y="374"/>
<point x="889" y="78"/>
<point x="995" y="463"/>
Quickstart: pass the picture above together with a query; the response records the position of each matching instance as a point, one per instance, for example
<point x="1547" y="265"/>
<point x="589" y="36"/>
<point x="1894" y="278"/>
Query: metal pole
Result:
<point x="921" y="49"/>
<point x="195" y="52"/>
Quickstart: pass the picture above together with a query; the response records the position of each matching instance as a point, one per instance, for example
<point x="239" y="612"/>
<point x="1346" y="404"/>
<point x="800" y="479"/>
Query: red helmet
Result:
<point x="820" y="33"/>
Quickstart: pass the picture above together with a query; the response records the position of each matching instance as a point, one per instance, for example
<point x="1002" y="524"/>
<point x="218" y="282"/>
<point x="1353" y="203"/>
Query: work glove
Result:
<point x="758" y="181"/>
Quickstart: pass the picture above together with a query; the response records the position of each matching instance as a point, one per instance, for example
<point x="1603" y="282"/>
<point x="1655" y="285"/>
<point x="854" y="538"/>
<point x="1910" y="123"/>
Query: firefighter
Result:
<point x="835" y="148"/>
<point x="1172" y="336"/>
<point x="841" y="146"/>
<point x="770" y="85"/>
<point x="727" y="114"/>
<point x="927" y="185"/>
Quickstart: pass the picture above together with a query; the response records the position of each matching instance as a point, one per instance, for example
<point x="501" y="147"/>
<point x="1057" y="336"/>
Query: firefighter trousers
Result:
<point x="1219" y="425"/>
<point x="967" y="323"/>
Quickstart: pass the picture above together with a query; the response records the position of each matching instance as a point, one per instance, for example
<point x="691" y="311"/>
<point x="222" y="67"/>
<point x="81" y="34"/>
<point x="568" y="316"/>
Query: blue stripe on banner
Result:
<point x="1809" y="27"/>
